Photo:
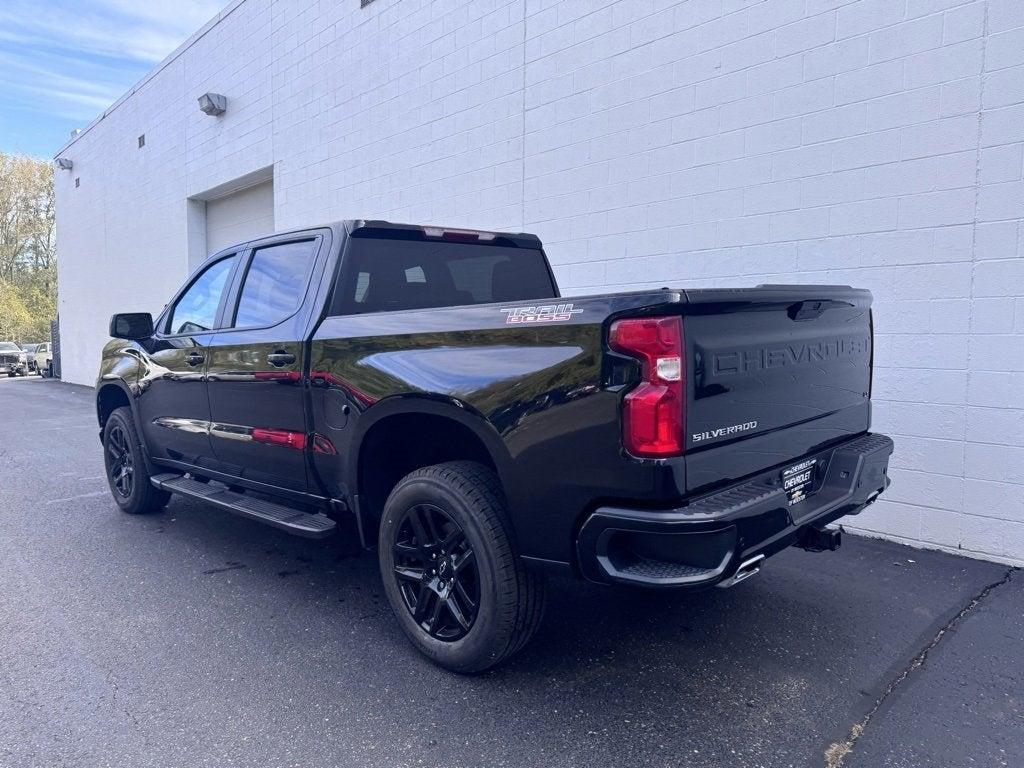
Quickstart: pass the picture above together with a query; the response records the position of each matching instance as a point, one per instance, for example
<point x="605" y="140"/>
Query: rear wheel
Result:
<point x="458" y="588"/>
<point x="127" y="472"/>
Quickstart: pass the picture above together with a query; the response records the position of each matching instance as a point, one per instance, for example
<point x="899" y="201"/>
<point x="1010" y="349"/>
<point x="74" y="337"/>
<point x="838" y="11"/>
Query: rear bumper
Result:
<point x="706" y="541"/>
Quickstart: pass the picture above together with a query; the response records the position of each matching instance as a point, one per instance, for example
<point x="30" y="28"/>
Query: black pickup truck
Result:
<point x="429" y="390"/>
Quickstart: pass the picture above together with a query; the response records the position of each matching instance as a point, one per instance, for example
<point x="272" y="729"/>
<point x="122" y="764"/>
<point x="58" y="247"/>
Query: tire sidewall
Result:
<point x="466" y="653"/>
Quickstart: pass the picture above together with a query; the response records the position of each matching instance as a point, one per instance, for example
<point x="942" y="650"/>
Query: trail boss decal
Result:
<point x="715" y="434"/>
<point x="547" y="313"/>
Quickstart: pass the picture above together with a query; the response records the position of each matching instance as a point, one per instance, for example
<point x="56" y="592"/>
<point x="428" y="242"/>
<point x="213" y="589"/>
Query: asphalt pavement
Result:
<point x="194" y="638"/>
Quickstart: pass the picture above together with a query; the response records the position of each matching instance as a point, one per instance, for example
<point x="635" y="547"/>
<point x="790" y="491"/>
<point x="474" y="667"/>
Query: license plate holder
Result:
<point x="798" y="480"/>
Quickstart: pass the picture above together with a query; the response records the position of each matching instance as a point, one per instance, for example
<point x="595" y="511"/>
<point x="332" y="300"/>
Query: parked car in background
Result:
<point x="30" y="354"/>
<point x="39" y="357"/>
<point x="13" y="360"/>
<point x="431" y="387"/>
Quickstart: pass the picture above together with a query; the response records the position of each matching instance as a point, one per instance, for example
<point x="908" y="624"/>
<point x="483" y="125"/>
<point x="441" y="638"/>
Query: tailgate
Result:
<point x="775" y="372"/>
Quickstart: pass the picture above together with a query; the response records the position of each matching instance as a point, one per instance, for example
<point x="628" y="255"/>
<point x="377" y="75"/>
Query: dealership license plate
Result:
<point x="798" y="481"/>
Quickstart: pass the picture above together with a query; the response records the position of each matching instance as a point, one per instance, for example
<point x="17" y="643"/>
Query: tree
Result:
<point x="28" y="261"/>
<point x="15" y="318"/>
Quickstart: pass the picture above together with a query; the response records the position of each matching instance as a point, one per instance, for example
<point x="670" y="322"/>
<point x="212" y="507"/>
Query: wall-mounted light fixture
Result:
<point x="64" y="164"/>
<point x="213" y="103"/>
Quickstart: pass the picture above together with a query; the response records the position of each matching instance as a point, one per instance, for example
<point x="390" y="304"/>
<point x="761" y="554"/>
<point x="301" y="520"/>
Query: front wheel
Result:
<point x="451" y="573"/>
<point x="127" y="472"/>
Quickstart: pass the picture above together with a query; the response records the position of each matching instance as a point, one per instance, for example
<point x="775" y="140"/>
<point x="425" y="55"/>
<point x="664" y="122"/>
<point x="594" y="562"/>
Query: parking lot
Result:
<point x="195" y="638"/>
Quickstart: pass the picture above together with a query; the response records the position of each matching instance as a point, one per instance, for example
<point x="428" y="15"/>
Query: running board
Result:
<point x="276" y="515"/>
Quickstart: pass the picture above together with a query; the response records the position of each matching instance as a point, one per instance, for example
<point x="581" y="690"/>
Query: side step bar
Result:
<point x="276" y="515"/>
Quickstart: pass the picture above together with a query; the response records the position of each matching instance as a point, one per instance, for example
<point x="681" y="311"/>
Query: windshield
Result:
<point x="31" y="347"/>
<point x="9" y="346"/>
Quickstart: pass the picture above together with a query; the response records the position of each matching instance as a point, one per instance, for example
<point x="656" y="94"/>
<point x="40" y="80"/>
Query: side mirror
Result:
<point x="131" y="325"/>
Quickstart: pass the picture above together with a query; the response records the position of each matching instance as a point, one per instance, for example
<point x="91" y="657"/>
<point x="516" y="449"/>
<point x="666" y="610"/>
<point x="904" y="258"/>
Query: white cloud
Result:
<point x="144" y="31"/>
<point x="76" y="91"/>
<point x="73" y="59"/>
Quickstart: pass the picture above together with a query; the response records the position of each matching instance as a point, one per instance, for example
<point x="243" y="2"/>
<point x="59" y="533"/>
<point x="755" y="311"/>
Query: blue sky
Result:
<point x="62" y="62"/>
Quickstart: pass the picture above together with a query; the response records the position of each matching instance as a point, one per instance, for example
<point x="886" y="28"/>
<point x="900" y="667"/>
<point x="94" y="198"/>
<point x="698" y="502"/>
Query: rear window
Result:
<point x="387" y="275"/>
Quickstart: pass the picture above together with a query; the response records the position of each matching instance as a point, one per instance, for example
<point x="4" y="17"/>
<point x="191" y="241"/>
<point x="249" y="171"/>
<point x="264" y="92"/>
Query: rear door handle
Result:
<point x="279" y="358"/>
<point x="194" y="358"/>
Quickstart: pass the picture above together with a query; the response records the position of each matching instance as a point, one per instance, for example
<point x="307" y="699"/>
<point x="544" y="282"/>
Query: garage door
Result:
<point x="239" y="216"/>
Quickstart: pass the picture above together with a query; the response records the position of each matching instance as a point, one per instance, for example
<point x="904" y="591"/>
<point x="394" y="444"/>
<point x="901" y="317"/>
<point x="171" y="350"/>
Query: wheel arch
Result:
<point x="110" y="395"/>
<point x="400" y="435"/>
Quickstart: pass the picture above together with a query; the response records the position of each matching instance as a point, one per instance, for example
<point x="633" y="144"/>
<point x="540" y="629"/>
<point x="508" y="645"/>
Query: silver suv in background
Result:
<point x="13" y="360"/>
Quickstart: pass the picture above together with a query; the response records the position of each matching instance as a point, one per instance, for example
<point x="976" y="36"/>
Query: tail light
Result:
<point x="653" y="413"/>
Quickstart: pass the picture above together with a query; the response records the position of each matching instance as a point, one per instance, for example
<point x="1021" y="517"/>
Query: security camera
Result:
<point x="213" y="103"/>
<point x="64" y="164"/>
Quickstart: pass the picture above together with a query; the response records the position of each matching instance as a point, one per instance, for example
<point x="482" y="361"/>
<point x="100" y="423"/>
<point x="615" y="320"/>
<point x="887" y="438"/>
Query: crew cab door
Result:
<point x="256" y="362"/>
<point x="173" y="403"/>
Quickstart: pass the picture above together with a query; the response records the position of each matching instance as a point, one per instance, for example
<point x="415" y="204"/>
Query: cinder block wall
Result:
<point x="649" y="142"/>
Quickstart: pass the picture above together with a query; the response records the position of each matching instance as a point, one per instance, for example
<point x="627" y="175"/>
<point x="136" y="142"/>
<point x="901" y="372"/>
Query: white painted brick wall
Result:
<point x="649" y="142"/>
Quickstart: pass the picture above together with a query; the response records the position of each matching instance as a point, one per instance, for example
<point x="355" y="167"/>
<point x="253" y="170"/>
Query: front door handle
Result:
<point x="280" y="358"/>
<point x="194" y="359"/>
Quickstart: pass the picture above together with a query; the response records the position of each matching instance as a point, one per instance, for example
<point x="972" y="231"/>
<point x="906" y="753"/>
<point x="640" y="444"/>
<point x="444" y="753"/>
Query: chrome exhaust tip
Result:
<point x="747" y="569"/>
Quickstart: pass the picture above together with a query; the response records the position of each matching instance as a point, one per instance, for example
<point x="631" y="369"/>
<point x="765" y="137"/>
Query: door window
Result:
<point x="275" y="283"/>
<point x="196" y="310"/>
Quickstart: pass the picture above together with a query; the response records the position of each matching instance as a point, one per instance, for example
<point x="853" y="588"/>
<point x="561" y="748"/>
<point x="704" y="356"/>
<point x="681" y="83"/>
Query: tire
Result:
<point x="464" y="519"/>
<point x="126" y="467"/>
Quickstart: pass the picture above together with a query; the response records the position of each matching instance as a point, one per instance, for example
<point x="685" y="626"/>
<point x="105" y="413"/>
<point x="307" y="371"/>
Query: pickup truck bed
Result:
<point x="666" y="438"/>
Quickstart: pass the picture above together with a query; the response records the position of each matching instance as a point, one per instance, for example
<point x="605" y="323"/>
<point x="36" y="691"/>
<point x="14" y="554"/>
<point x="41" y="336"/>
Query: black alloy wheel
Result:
<point x="436" y="572"/>
<point x="451" y="571"/>
<point x="120" y="467"/>
<point x="127" y="470"/>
